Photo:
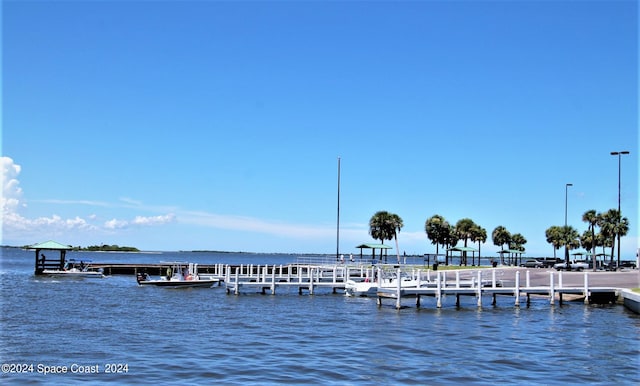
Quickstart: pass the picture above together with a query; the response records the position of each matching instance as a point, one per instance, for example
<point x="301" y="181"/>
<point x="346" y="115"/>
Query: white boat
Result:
<point x="75" y="269"/>
<point x="179" y="275"/>
<point x="370" y="287"/>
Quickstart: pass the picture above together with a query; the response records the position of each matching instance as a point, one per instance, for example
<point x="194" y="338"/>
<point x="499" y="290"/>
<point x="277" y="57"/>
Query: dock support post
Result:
<point x="398" y="291"/>
<point x="552" y="294"/>
<point x="560" y="279"/>
<point x="479" y="289"/>
<point x="438" y="290"/>
<point x="493" y="280"/>
<point x="527" y="280"/>
<point x="417" y="301"/>
<point x="311" y="274"/>
<point x="273" y="280"/>
<point x="586" y="288"/>
<point x="237" y="285"/>
<point x="457" y="279"/>
<point x="517" y="289"/>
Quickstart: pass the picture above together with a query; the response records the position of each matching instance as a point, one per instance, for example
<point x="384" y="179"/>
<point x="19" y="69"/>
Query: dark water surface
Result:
<point x="201" y="336"/>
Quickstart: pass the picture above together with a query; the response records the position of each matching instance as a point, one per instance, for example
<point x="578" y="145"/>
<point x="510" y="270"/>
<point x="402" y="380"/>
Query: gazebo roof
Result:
<point x="374" y="246"/>
<point x="51" y="245"/>
<point x="462" y="249"/>
<point x="510" y="251"/>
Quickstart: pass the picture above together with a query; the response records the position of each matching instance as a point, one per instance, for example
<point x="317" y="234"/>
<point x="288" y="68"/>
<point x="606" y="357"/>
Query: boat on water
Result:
<point x="179" y="275"/>
<point x="75" y="269"/>
<point x="370" y="287"/>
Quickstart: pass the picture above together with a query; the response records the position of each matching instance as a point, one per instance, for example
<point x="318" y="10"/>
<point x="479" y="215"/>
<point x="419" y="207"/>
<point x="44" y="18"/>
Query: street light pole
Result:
<point x="566" y="232"/>
<point x="619" y="154"/>
<point x="566" y="190"/>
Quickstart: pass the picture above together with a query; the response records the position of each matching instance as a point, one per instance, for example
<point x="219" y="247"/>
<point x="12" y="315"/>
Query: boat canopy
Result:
<point x="50" y="245"/>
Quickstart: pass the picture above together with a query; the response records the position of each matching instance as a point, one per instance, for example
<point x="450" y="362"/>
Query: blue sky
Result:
<point x="218" y="125"/>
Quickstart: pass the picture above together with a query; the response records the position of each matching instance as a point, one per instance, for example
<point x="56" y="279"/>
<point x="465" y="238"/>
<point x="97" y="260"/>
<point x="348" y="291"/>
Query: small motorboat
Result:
<point x="74" y="269"/>
<point x="179" y="275"/>
<point x="370" y="287"/>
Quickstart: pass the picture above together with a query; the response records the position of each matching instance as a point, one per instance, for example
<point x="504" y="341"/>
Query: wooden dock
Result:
<point x="304" y="277"/>
<point x="481" y="289"/>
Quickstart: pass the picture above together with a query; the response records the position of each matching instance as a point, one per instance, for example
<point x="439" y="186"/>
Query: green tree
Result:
<point x="554" y="237"/>
<point x="395" y="222"/>
<point x="381" y="227"/>
<point x="436" y="228"/>
<point x="500" y="236"/>
<point x="464" y="231"/>
<point x="479" y="235"/>
<point x="517" y="243"/>
<point x="589" y="242"/>
<point x="570" y="239"/>
<point x="450" y="239"/>
<point x="611" y="225"/>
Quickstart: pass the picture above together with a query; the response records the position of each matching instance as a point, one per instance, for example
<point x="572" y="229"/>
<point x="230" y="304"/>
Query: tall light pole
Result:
<point x="619" y="154"/>
<point x="566" y="191"/>
<point x="566" y="232"/>
<point x="338" y="220"/>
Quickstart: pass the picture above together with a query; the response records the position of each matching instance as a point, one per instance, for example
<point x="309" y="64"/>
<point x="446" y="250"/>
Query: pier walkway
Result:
<point x="481" y="289"/>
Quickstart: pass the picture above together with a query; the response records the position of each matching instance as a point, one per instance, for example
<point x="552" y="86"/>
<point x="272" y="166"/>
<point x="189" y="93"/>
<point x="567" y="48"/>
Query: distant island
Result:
<point x="109" y="248"/>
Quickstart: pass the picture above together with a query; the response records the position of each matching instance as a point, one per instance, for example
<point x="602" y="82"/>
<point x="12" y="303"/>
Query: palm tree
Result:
<point x="554" y="237"/>
<point x="437" y="229"/>
<point x="611" y="225"/>
<point x="570" y="240"/>
<point x="517" y="243"/>
<point x="464" y="231"/>
<point x="395" y="222"/>
<point x="500" y="236"/>
<point x="591" y="218"/>
<point x="450" y="239"/>
<point x="479" y="234"/>
<point x="621" y="229"/>
<point x="381" y="228"/>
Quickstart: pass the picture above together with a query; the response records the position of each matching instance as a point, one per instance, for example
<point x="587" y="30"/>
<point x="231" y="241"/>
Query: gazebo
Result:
<point x="511" y="252"/>
<point x="462" y="251"/>
<point x="43" y="262"/>
<point x="373" y="247"/>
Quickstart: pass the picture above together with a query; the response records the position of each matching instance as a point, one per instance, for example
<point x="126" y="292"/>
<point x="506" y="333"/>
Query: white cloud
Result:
<point x="18" y="229"/>
<point x="116" y="224"/>
<point x="154" y="220"/>
<point x="11" y="191"/>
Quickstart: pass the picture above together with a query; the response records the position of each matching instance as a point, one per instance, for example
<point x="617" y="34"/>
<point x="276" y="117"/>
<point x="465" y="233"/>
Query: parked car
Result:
<point x="613" y="266"/>
<point x="549" y="262"/>
<point x="532" y="263"/>
<point x="574" y="265"/>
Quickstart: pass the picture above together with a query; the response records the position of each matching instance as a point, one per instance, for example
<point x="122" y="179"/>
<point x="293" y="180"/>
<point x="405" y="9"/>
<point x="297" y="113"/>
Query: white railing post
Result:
<point x="398" y="290"/>
<point x="237" y="285"/>
<point x="273" y="279"/>
<point x="586" y="288"/>
<point x="560" y="279"/>
<point x="438" y="290"/>
<point x="517" y="289"/>
<point x="479" y="288"/>
<point x="552" y="295"/>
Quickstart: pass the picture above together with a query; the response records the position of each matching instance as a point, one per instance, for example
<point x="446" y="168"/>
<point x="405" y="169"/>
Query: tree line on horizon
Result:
<point x="384" y="225"/>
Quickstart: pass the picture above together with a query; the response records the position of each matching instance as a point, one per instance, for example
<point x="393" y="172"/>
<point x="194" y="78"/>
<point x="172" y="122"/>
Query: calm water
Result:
<point x="199" y="336"/>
